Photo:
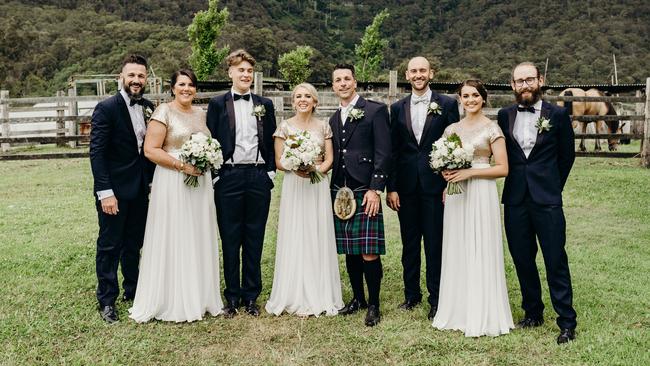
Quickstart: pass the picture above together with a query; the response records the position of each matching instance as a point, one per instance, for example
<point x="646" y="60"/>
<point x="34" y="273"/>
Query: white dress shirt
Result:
<point x="345" y="111"/>
<point x="246" y="150"/>
<point x="419" y="107"/>
<point x="136" y="112"/>
<point x="525" y="131"/>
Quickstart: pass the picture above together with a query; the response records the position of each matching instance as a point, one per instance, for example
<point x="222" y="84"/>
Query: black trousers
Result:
<point x="524" y="223"/>
<point x="119" y="243"/>
<point x="242" y="197"/>
<point x="420" y="216"/>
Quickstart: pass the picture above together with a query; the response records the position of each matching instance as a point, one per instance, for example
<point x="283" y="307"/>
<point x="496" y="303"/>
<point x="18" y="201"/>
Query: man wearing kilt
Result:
<point x="362" y="149"/>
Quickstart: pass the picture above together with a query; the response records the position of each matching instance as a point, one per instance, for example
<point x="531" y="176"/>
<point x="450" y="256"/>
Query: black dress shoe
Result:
<point x="432" y="313"/>
<point x="352" y="307"/>
<point x="230" y="310"/>
<point x="108" y="314"/>
<point x="530" y="322"/>
<point x="372" y="316"/>
<point x="566" y="335"/>
<point x="409" y="304"/>
<point x="252" y="309"/>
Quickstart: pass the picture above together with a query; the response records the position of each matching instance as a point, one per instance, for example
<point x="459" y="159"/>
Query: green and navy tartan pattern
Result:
<point x="361" y="234"/>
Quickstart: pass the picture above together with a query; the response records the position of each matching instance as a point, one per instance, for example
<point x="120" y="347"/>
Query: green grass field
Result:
<point x="48" y="314"/>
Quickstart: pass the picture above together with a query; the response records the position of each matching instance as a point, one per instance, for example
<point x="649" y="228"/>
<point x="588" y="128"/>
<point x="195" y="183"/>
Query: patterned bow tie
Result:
<point x="136" y="101"/>
<point x="245" y="97"/>
<point x="416" y="100"/>
<point x="530" y="109"/>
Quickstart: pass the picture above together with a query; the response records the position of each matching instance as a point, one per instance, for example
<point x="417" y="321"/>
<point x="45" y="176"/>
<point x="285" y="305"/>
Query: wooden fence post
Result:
<point x="636" y="127"/>
<point x="60" y="113"/>
<point x="73" y="126"/>
<point x="4" y="114"/>
<point x="257" y="83"/>
<point x="392" y="87"/>
<point x="645" y="144"/>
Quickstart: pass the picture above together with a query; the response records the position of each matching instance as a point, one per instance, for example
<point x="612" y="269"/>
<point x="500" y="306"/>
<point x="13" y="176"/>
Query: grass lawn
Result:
<point x="48" y="228"/>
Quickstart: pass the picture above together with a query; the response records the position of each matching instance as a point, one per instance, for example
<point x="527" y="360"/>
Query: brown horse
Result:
<point x="592" y="109"/>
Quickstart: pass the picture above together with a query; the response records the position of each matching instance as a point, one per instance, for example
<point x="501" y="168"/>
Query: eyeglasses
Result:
<point x="529" y="81"/>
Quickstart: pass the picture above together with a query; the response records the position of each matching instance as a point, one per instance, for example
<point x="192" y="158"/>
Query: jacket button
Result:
<point x="344" y="150"/>
<point x="343" y="131"/>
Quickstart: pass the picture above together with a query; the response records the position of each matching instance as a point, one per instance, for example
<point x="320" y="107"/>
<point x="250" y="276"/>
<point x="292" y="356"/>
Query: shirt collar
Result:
<point x="353" y="102"/>
<point x="126" y="97"/>
<point x="426" y="94"/>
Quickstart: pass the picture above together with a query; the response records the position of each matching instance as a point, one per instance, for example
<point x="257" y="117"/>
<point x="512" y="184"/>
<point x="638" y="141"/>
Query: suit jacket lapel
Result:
<point x="260" y="125"/>
<point x="126" y="116"/>
<point x="336" y="126"/>
<point x="544" y="113"/>
<point x="351" y="124"/>
<point x="407" y="118"/>
<point x="427" y="123"/>
<point x="230" y="109"/>
<point x="512" y="115"/>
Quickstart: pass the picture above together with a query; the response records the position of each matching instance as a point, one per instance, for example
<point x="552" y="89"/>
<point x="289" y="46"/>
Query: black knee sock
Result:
<point x="354" y="265"/>
<point x="374" y="273"/>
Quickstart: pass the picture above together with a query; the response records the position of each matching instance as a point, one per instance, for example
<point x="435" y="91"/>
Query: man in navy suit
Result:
<point x="121" y="176"/>
<point x="415" y="190"/>
<point x="541" y="152"/>
<point x="244" y="124"/>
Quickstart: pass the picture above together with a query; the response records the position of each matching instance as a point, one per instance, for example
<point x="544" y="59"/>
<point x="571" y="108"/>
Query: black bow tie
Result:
<point x="530" y="109"/>
<point x="136" y="101"/>
<point x="245" y="97"/>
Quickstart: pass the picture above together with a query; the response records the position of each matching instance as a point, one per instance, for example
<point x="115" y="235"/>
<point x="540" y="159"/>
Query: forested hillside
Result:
<point x="43" y="42"/>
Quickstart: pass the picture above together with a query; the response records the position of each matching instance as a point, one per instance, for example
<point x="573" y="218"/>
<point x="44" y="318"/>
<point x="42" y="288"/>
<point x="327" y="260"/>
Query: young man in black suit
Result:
<point x="415" y="190"/>
<point x="244" y="124"/>
<point x="121" y="176"/>
<point x="362" y="163"/>
<point x="541" y="152"/>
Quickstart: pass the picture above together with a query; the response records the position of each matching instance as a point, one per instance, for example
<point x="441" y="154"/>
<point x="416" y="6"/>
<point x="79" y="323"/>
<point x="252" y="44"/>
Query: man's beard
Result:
<point x="424" y="86"/>
<point x="536" y="95"/>
<point x="135" y="96"/>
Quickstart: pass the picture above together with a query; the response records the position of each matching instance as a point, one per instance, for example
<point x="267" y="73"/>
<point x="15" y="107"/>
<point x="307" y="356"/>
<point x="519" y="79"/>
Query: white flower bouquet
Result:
<point x="203" y="152"/>
<point x="448" y="154"/>
<point x="301" y="152"/>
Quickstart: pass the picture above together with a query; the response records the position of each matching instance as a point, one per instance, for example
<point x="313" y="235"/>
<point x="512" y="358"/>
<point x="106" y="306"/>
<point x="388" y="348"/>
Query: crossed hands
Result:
<point x="456" y="175"/>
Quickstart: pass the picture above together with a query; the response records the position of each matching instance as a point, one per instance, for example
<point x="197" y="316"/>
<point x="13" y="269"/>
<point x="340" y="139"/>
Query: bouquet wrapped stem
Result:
<point x="448" y="153"/>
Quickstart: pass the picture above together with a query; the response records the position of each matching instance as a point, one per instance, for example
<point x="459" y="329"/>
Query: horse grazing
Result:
<point x="592" y="109"/>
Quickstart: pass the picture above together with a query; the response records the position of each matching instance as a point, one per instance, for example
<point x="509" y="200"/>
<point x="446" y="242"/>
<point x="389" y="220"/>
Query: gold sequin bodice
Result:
<point x="480" y="137"/>
<point x="180" y="125"/>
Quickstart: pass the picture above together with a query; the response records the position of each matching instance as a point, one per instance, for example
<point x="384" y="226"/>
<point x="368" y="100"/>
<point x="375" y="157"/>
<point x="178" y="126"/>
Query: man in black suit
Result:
<point x="415" y="190"/>
<point x="541" y="151"/>
<point x="361" y="144"/>
<point x="244" y="124"/>
<point x="121" y="176"/>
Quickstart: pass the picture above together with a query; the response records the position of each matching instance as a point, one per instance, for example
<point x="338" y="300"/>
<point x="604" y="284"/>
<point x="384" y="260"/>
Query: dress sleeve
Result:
<point x="327" y="130"/>
<point x="495" y="132"/>
<point x="161" y="114"/>
<point x="281" y="131"/>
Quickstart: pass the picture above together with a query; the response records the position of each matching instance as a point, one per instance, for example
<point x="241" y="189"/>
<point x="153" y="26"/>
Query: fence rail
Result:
<point x="61" y="122"/>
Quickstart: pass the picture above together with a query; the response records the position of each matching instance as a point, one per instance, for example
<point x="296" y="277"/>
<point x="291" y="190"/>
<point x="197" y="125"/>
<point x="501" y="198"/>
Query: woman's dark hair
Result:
<point x="476" y="83"/>
<point x="187" y="72"/>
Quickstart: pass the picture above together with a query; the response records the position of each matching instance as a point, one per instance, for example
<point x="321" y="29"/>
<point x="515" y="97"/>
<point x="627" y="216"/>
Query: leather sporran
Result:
<point x="344" y="204"/>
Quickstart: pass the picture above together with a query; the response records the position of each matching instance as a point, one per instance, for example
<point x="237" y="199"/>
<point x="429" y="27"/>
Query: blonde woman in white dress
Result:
<point x="473" y="292"/>
<point x="179" y="266"/>
<point x="306" y="279"/>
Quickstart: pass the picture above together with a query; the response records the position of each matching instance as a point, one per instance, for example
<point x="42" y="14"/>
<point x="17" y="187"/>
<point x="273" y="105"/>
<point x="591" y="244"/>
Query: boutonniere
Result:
<point x="147" y="111"/>
<point x="433" y="108"/>
<point x="259" y="110"/>
<point x="543" y="124"/>
<point x="356" y="113"/>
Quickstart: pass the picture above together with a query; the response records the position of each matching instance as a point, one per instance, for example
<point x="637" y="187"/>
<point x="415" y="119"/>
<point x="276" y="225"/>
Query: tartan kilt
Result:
<point x="361" y="234"/>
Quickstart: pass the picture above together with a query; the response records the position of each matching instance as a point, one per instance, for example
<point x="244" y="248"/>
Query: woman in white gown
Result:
<point x="306" y="279"/>
<point x="473" y="291"/>
<point x="179" y="267"/>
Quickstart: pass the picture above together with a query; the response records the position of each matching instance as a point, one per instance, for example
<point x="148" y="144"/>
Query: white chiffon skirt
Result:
<point x="179" y="266"/>
<point x="473" y="292"/>
<point x="306" y="278"/>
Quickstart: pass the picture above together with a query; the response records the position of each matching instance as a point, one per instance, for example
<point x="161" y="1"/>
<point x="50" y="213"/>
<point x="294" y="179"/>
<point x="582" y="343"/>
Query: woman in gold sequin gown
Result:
<point x="179" y="266"/>
<point x="473" y="292"/>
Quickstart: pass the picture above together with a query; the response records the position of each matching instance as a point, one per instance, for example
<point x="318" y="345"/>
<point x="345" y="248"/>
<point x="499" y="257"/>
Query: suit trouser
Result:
<point x="420" y="216"/>
<point x="524" y="223"/>
<point x="119" y="243"/>
<point x="242" y="197"/>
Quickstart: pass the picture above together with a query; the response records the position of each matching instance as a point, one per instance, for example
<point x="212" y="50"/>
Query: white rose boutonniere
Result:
<point x="543" y="124"/>
<point x="147" y="111"/>
<point x="356" y="113"/>
<point x="433" y="108"/>
<point x="259" y="110"/>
